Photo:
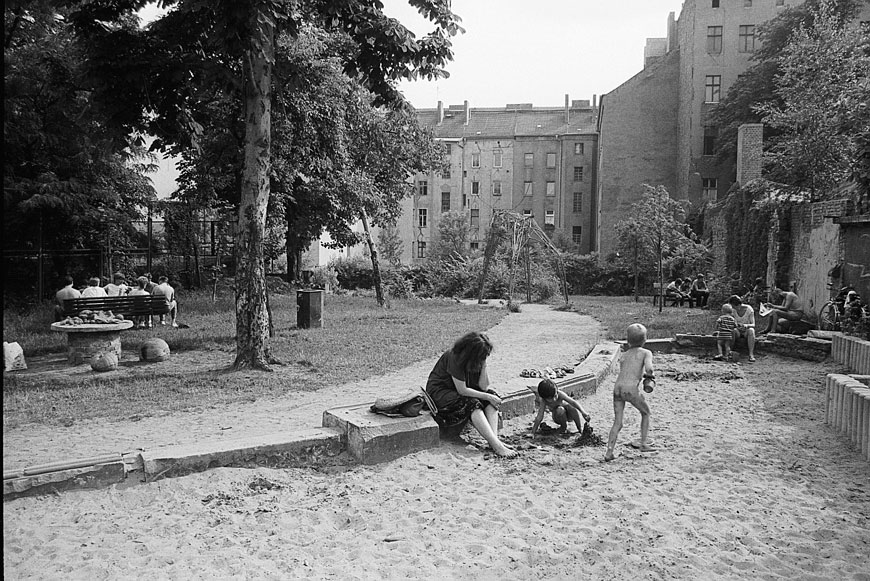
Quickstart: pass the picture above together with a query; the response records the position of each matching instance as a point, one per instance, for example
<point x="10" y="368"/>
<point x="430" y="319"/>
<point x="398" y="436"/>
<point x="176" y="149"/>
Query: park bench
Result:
<point x="669" y="301"/>
<point x="128" y="306"/>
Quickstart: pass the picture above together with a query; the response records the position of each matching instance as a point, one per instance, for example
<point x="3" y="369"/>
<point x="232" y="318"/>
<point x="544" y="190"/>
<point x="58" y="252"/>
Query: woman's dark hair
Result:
<point x="472" y="350"/>
<point x="735" y="301"/>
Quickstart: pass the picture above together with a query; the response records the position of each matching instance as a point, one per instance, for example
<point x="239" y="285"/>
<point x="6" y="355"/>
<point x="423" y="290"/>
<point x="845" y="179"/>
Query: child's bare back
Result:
<point x="634" y="362"/>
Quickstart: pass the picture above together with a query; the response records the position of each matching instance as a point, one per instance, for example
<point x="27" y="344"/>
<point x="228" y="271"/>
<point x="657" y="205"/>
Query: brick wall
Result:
<point x="749" y="149"/>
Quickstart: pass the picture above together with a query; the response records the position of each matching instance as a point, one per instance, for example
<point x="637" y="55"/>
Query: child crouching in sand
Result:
<point x="561" y="406"/>
<point x="635" y="366"/>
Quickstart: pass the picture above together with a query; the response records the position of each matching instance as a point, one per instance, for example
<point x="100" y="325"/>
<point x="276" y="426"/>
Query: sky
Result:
<point x="536" y="51"/>
<point x="525" y="51"/>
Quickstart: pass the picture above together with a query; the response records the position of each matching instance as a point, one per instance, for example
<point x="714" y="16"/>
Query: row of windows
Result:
<point x="423" y="185"/>
<point x="576" y="236"/>
<point x="528" y="160"/>
<point x="549" y="215"/>
<point x="747" y="3"/>
<point x="745" y="38"/>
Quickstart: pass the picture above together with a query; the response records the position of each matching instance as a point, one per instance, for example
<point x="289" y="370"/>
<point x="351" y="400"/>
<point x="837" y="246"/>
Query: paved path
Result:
<point x="537" y="337"/>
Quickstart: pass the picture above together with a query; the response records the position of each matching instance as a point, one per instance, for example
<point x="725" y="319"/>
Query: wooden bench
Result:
<point x="669" y="301"/>
<point x="128" y="306"/>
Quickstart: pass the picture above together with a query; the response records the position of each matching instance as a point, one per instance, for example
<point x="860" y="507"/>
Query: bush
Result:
<point x="353" y="273"/>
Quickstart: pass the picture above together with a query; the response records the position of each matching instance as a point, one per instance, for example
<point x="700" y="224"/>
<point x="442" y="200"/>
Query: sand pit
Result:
<point x="747" y="483"/>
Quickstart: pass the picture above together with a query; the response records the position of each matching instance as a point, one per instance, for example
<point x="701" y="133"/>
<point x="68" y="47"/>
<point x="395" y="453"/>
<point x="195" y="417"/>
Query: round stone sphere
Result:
<point x="107" y="361"/>
<point x="154" y="350"/>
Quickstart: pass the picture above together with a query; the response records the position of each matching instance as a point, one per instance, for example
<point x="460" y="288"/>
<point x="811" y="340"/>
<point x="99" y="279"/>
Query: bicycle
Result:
<point x="837" y="310"/>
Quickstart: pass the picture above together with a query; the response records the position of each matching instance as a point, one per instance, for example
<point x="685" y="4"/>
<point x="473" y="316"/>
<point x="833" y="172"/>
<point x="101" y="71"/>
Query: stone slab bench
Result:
<point x="847" y="410"/>
<point x="781" y="344"/>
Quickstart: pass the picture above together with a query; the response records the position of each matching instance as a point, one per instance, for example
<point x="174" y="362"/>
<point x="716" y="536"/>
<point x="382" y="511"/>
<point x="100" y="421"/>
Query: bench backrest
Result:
<point x="126" y="305"/>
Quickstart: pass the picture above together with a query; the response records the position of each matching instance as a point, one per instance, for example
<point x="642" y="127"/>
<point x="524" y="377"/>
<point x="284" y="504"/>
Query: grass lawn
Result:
<point x="358" y="340"/>
<point x="617" y="313"/>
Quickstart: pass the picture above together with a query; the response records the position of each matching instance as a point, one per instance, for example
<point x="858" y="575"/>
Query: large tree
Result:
<point x="237" y="41"/>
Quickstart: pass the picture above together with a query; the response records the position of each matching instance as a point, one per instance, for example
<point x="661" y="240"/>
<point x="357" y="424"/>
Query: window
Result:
<point x="551" y="160"/>
<point x="714" y="40"/>
<point x="578" y="149"/>
<point x="464" y="201"/>
<point x="475" y="218"/>
<point x="529" y="160"/>
<point x="747" y="3"/>
<point x="475" y="245"/>
<point x="712" y="88"/>
<point x="780" y="2"/>
<point x="475" y="160"/>
<point x="528" y="189"/>
<point x="527" y="213"/>
<point x="422" y="217"/>
<point x="449" y="149"/>
<point x="710" y="186"/>
<point x="475" y="188"/>
<point x="421" y="249"/>
<point x="710" y="133"/>
<point x="578" y="173"/>
<point x="423" y="187"/>
<point x="445" y="201"/>
<point x="746" y="38"/>
<point x="578" y="202"/>
<point x="496" y="159"/>
<point x="551" y="188"/>
<point x="445" y="173"/>
<point x="576" y="234"/>
<point x="550" y="218"/>
<point x="496" y="188"/>
<point x="715" y="3"/>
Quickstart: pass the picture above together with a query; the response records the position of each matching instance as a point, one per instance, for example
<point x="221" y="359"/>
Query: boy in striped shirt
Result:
<point x="724" y="334"/>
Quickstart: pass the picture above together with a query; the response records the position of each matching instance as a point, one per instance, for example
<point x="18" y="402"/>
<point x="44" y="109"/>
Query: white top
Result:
<point x="93" y="292"/>
<point x="748" y="317"/>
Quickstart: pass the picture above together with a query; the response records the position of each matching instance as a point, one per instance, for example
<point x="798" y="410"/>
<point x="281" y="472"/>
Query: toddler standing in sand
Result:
<point x="635" y="366"/>
<point x="725" y="326"/>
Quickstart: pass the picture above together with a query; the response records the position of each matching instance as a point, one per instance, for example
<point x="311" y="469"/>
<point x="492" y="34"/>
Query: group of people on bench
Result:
<point x="686" y="291"/>
<point x="117" y="288"/>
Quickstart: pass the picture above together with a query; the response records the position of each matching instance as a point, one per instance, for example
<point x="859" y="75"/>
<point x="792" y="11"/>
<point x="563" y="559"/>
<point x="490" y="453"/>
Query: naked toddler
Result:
<point x="635" y="367"/>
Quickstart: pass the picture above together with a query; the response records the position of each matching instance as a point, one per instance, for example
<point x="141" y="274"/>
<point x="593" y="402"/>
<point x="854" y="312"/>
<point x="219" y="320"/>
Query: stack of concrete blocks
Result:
<point x="847" y="397"/>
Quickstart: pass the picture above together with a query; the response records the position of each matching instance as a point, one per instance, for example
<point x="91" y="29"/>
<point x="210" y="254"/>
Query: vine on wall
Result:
<point x="748" y="222"/>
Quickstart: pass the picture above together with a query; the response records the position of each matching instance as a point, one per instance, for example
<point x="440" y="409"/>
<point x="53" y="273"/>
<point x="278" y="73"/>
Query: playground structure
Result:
<point x="520" y="231"/>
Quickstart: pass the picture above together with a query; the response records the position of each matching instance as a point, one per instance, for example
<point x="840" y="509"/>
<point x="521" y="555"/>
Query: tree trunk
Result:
<point x="373" y="250"/>
<point x="252" y="318"/>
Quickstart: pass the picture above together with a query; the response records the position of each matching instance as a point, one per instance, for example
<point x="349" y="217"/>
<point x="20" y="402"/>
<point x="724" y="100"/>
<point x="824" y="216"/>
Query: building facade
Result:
<point x="536" y="161"/>
<point x="655" y="128"/>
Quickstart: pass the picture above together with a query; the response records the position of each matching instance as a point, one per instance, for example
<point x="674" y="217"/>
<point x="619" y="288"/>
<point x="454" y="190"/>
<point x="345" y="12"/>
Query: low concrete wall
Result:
<point x="847" y="410"/>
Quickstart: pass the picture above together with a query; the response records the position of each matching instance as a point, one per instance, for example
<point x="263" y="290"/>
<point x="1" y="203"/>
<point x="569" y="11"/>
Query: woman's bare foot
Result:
<point x="504" y="451"/>
<point x="608" y="456"/>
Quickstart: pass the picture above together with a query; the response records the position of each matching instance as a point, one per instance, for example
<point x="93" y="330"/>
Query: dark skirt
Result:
<point x="454" y="415"/>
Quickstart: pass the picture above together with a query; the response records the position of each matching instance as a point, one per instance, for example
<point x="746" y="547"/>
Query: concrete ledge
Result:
<point x="282" y="449"/>
<point x="781" y="344"/>
<point x="88" y="477"/>
<point x="372" y="438"/>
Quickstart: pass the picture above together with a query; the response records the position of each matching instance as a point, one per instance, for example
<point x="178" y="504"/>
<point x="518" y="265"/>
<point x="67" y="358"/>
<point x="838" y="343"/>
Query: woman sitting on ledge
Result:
<point x="744" y="315"/>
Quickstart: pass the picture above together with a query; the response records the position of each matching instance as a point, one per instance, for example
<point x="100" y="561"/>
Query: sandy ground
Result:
<point x="747" y="483"/>
<point x="536" y="337"/>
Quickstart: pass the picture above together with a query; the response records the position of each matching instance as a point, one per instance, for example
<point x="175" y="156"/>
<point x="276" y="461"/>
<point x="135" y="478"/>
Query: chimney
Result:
<point x="467" y="115"/>
<point x="567" y="110"/>
<point x="440" y="112"/>
<point x="594" y="101"/>
<point x="749" y="143"/>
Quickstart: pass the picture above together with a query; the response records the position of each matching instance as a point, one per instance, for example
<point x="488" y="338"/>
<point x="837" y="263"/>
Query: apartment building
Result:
<point x="655" y="128"/>
<point x="536" y="161"/>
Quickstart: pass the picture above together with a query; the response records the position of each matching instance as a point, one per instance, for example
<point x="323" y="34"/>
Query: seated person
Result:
<point x="790" y="308"/>
<point x="139" y="291"/>
<point x="686" y="289"/>
<point x="744" y="316"/>
<point x="673" y="291"/>
<point x="699" y="291"/>
<point x="94" y="289"/>
<point x="168" y="293"/>
<point x="118" y="286"/>
<point x="67" y="292"/>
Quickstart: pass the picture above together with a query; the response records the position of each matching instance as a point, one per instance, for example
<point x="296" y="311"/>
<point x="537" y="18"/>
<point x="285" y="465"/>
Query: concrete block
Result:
<point x="600" y="361"/>
<point x="88" y="477"/>
<point x="819" y="334"/>
<point x="798" y="347"/>
<point x="372" y="438"/>
<point x="282" y="449"/>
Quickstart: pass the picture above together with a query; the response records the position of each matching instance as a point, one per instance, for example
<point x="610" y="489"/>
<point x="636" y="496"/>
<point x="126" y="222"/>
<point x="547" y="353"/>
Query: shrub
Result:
<point x="353" y="273"/>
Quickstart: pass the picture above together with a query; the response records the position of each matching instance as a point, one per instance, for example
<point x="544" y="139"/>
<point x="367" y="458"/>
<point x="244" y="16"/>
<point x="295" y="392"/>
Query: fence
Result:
<point x="847" y="397"/>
